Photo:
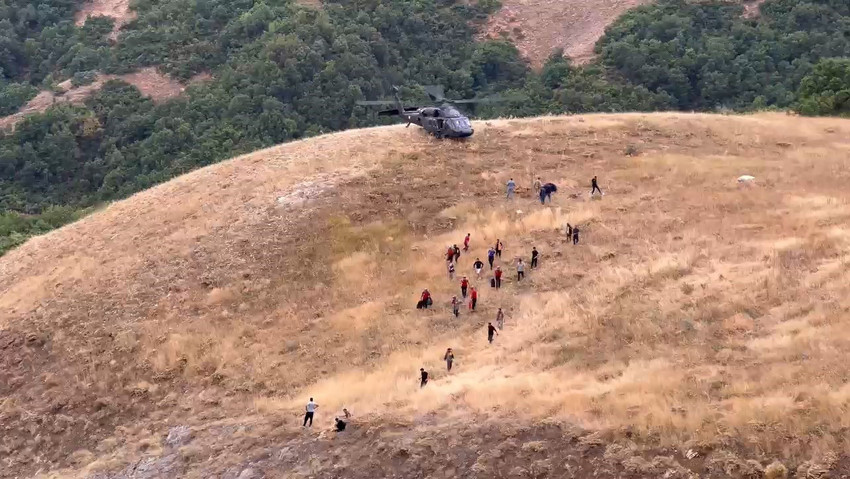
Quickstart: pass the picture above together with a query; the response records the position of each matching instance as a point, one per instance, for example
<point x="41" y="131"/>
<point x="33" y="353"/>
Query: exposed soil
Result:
<point x="538" y="27"/>
<point x="149" y="81"/>
<point x="117" y="9"/>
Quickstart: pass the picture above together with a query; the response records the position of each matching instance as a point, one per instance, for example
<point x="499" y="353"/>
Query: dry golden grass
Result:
<point x="695" y="311"/>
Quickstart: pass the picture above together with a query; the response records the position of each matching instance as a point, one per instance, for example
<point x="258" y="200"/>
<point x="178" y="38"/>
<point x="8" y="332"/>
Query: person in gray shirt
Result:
<point x="511" y="187"/>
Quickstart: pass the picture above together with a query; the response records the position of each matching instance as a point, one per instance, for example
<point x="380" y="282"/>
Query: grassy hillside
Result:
<point x="697" y="329"/>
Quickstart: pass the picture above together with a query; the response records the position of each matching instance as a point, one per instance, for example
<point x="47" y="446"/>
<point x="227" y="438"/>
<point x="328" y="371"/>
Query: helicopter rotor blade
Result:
<point x="487" y="99"/>
<point x="376" y="102"/>
<point x="436" y="92"/>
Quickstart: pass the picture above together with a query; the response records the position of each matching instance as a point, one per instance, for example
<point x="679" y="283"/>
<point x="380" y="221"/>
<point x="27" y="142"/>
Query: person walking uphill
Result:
<point x="455" y="306"/>
<point x="537" y="185"/>
<point x="594" y="187"/>
<point x="499" y="247"/>
<point x="511" y="187"/>
<point x="456" y="253"/>
<point x="520" y="270"/>
<point x="450" y="254"/>
<point x="497" y="275"/>
<point x="491" y="330"/>
<point x="491" y="256"/>
<point x="464" y="284"/>
<point x="449" y="358"/>
<point x="423" y="377"/>
<point x="473" y="298"/>
<point x="466" y="243"/>
<point x="311" y="409"/>
<point x="575" y="234"/>
<point x="534" y="255"/>
<point x="500" y="319"/>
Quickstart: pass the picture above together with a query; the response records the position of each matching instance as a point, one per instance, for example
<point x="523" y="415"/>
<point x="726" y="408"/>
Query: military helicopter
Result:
<point x="443" y="121"/>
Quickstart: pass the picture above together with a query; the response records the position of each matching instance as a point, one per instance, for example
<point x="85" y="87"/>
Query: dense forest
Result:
<point x="282" y="72"/>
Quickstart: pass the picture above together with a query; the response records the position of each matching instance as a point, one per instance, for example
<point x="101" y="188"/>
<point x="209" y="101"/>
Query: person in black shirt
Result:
<point x="491" y="330"/>
<point x="595" y="187"/>
<point x="575" y="234"/>
<point x="457" y="253"/>
<point x="424" y="377"/>
<point x="534" y="255"/>
<point x="478" y="266"/>
<point x="340" y="424"/>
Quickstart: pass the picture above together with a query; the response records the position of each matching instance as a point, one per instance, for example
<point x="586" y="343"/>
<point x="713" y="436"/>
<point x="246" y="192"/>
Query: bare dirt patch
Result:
<point x="538" y="27"/>
<point x="149" y="81"/>
<point x="117" y="9"/>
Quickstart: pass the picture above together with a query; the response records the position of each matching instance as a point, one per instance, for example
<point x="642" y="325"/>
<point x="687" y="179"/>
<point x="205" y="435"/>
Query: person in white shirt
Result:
<point x="311" y="408"/>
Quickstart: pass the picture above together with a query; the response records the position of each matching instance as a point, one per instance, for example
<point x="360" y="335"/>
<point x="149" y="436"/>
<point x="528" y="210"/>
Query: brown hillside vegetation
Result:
<point x="698" y="330"/>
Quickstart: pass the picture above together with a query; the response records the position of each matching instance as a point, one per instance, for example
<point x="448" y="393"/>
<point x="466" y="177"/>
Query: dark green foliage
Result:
<point x="826" y="91"/>
<point x="15" y="228"/>
<point x="14" y="95"/>
<point x="706" y="55"/>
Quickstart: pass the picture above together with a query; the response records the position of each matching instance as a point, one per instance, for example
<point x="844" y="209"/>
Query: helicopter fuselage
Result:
<point x="442" y="122"/>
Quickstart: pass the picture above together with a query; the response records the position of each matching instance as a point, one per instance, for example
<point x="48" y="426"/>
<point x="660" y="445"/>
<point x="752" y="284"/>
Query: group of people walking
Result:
<point x="453" y="254"/>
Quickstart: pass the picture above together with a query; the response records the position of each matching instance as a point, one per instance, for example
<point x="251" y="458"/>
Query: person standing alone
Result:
<point x="491" y="331"/>
<point x="534" y="255"/>
<point x="311" y="409"/>
<point x="511" y="187"/>
<point x="449" y="358"/>
<point x="594" y="187"/>
<point x="423" y="377"/>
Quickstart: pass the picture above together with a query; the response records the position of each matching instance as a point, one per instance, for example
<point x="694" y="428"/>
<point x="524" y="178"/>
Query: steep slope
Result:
<point x="538" y="27"/>
<point x="696" y="328"/>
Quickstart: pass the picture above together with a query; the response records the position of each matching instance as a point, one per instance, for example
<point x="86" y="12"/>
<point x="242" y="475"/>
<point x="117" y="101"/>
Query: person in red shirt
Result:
<point x="498" y="276"/>
<point x="473" y="298"/>
<point x="425" y="301"/>
<point x="466" y="243"/>
<point x="450" y="254"/>
<point x="464" y="283"/>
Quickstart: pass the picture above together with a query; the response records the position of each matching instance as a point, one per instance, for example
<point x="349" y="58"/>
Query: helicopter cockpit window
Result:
<point x="460" y="123"/>
<point x="450" y="112"/>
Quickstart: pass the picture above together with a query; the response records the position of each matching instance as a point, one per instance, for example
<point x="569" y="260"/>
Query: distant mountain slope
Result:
<point x="538" y="27"/>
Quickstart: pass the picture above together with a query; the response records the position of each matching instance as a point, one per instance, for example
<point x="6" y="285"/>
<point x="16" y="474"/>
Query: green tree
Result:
<point x="826" y="91"/>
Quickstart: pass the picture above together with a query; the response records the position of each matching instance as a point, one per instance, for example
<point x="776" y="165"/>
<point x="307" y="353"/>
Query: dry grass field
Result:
<point x="699" y="329"/>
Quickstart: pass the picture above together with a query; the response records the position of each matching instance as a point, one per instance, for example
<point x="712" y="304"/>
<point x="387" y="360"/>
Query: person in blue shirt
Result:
<point x="511" y="187"/>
